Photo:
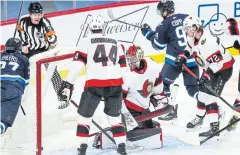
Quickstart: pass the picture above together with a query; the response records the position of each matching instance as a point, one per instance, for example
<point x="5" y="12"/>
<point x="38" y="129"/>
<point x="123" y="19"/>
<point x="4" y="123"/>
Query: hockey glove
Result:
<point x="236" y="45"/>
<point x="65" y="91"/>
<point x="159" y="101"/>
<point x="206" y="76"/>
<point x="182" y="59"/>
<point x="147" y="31"/>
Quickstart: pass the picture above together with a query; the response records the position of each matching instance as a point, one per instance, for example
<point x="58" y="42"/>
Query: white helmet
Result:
<point x="191" y="22"/>
<point x="96" y="23"/>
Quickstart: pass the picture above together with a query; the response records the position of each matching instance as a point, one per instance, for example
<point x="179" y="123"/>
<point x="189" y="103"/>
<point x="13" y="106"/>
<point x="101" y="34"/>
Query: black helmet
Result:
<point x="35" y="7"/>
<point x="13" y="45"/>
<point x="165" y="5"/>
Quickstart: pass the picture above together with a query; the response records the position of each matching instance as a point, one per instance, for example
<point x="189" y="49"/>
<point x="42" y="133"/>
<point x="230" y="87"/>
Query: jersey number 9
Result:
<point x="181" y="36"/>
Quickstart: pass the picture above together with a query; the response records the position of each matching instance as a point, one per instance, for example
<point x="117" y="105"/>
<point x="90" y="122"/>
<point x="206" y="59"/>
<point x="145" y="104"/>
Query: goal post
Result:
<point x="39" y="94"/>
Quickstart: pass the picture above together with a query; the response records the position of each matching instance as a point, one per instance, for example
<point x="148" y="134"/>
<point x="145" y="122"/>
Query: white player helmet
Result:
<point x="96" y="23"/>
<point x="191" y="22"/>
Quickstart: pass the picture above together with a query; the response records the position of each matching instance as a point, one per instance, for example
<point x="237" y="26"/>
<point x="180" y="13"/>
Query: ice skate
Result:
<point x="233" y="127"/>
<point x="171" y="116"/>
<point x="195" y="123"/>
<point x="82" y="150"/>
<point x="214" y="127"/>
<point x="122" y="149"/>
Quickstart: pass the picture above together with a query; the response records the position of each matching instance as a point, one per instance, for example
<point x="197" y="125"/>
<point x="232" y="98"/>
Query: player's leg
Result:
<point x="192" y="89"/>
<point x="217" y="83"/>
<point x="237" y="106"/>
<point x="113" y="104"/>
<point x="90" y="100"/>
<point x="169" y="74"/>
<point x="10" y="103"/>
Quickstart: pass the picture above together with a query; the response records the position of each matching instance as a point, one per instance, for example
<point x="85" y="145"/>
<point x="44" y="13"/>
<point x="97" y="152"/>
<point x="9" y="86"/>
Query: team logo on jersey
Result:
<point x="146" y="89"/>
<point x="199" y="61"/>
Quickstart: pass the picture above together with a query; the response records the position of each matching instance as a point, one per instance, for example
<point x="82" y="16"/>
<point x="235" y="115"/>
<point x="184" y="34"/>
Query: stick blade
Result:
<point x="110" y="13"/>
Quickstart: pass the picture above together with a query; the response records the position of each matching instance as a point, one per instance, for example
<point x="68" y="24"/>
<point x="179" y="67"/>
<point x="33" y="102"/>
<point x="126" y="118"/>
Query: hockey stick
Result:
<point x="210" y="89"/>
<point x="110" y="14"/>
<point x="219" y="131"/>
<point x="19" y="14"/>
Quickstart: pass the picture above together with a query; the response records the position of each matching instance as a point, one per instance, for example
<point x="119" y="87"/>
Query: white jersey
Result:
<point x="140" y="84"/>
<point x="103" y="57"/>
<point x="209" y="52"/>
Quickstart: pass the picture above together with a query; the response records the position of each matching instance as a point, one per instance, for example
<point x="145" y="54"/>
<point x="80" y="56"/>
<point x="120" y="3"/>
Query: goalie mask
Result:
<point x="134" y="55"/>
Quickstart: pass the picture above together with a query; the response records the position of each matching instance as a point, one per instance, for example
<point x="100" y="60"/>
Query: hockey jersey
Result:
<point x="170" y="34"/>
<point x="209" y="52"/>
<point x="104" y="59"/>
<point x="140" y="84"/>
<point x="14" y="67"/>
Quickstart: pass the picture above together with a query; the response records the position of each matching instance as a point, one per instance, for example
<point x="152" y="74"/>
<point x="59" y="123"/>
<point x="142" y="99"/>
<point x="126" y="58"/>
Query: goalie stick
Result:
<point x="210" y="89"/>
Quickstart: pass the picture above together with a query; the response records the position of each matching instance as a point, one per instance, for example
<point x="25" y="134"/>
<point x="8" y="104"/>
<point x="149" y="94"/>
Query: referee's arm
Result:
<point x="22" y="34"/>
<point x="50" y="33"/>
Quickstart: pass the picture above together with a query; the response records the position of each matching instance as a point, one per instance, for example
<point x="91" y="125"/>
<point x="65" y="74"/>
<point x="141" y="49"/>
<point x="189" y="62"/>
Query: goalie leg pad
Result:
<point x="89" y="102"/>
<point x="141" y="137"/>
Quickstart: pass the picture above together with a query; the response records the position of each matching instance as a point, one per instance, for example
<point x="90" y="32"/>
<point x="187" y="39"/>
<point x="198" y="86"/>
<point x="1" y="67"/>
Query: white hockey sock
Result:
<point x="118" y="129"/>
<point x="83" y="129"/>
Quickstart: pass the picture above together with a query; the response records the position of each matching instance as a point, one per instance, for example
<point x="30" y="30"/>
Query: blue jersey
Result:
<point x="169" y="33"/>
<point x="14" y="67"/>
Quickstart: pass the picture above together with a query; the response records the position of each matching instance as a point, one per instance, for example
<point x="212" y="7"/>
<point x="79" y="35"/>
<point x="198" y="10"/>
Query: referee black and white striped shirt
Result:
<point x="38" y="36"/>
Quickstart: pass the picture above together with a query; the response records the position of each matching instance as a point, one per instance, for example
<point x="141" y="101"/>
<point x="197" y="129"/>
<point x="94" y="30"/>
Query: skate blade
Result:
<point x="190" y="138"/>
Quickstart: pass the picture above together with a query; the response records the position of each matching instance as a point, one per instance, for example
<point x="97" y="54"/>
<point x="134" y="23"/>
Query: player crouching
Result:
<point x="14" y="78"/>
<point x="142" y="84"/>
<point x="217" y="66"/>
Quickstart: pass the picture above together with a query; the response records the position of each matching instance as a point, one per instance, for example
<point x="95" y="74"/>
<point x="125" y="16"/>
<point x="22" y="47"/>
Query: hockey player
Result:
<point x="232" y="27"/>
<point x="169" y="34"/>
<point x="137" y="96"/>
<point x="103" y="57"/>
<point x="217" y="66"/>
<point x="14" y="77"/>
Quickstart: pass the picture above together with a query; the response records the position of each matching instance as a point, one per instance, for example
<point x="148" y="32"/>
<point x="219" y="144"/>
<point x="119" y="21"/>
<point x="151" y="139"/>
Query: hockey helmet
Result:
<point x="134" y="55"/>
<point x="35" y="7"/>
<point x="96" y="23"/>
<point x="13" y="45"/>
<point x="165" y="5"/>
<point x="191" y="22"/>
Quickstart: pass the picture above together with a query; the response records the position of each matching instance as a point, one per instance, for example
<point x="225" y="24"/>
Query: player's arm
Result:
<point x="232" y="27"/>
<point x="22" y="34"/>
<point x="158" y="37"/>
<point x="122" y="58"/>
<point x="50" y="33"/>
<point x="75" y="67"/>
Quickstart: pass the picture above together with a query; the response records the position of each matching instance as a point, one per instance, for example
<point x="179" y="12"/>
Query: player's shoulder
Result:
<point x="22" y="57"/>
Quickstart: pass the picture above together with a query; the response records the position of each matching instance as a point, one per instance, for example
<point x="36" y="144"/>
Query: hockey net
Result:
<point x="45" y="128"/>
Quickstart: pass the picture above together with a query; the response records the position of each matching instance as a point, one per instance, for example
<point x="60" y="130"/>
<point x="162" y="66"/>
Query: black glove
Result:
<point x="236" y="45"/>
<point x="147" y="31"/>
<point x="206" y="76"/>
<point x="65" y="91"/>
<point x="182" y="59"/>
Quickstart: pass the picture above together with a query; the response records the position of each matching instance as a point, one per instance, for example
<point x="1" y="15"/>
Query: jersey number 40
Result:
<point x="100" y="55"/>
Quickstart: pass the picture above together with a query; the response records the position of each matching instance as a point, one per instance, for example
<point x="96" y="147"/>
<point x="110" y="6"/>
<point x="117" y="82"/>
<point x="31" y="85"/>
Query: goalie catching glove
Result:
<point x="159" y="101"/>
<point x="65" y="91"/>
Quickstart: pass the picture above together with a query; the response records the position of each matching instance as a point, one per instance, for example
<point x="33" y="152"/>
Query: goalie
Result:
<point x="142" y="86"/>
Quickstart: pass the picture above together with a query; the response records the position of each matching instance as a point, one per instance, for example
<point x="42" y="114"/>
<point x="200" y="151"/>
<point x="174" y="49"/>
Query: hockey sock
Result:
<point x="212" y="112"/>
<point x="237" y="103"/>
<point x="201" y="109"/>
<point x="3" y="127"/>
<point x="83" y="130"/>
<point x="118" y="129"/>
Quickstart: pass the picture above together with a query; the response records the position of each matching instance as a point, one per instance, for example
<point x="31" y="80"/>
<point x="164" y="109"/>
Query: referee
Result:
<point x="37" y="36"/>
